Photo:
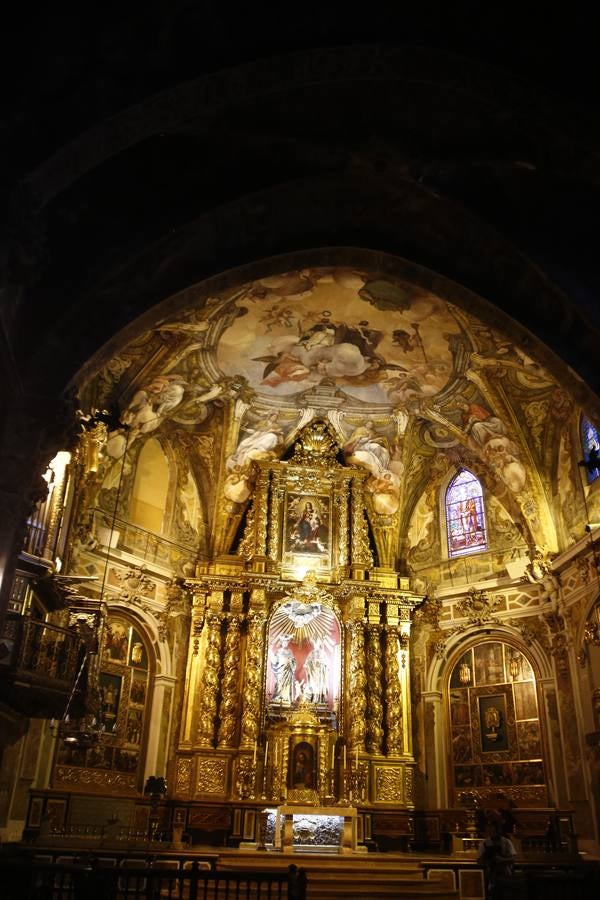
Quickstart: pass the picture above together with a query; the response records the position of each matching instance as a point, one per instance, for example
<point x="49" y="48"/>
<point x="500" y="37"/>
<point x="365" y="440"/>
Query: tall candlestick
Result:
<point x="254" y="757"/>
<point x="344" y="757"/>
<point x="332" y="756"/>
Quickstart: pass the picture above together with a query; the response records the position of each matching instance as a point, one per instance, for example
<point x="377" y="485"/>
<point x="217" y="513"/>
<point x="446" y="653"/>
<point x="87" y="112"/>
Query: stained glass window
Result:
<point x="590" y="444"/>
<point x="465" y="521"/>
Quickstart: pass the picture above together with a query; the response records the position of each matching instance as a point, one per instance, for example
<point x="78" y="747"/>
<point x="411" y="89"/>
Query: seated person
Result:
<point x="497" y="855"/>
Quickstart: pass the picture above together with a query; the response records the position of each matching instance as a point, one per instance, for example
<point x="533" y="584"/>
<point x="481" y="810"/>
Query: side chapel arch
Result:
<point x="495" y="731"/>
<point x="126" y="672"/>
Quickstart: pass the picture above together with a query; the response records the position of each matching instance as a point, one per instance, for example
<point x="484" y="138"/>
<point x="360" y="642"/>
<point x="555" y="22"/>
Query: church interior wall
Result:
<point x="474" y="591"/>
<point x="207" y="355"/>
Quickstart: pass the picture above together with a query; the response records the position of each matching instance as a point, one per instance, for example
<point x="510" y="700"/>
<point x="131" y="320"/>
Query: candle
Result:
<point x="266" y="753"/>
<point x="332" y="756"/>
<point x="254" y="757"/>
<point x="344" y="757"/>
<point x="357" y="757"/>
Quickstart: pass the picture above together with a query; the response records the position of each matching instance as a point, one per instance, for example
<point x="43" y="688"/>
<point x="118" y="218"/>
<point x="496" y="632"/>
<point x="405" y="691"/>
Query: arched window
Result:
<point x="150" y="488"/>
<point x="465" y="521"/>
<point x="590" y="444"/>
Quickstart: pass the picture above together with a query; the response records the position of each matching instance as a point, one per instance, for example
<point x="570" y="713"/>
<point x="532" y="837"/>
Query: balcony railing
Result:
<point x="47" y="651"/>
<point x="144" y="545"/>
<point x="39" y="666"/>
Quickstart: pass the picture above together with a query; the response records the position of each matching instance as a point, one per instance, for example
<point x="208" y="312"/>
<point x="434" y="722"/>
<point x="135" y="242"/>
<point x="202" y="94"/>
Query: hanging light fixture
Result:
<point x="464" y="673"/>
<point x="79" y="732"/>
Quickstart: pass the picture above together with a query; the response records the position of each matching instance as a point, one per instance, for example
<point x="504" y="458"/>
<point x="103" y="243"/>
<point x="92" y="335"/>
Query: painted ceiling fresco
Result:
<point x="408" y="382"/>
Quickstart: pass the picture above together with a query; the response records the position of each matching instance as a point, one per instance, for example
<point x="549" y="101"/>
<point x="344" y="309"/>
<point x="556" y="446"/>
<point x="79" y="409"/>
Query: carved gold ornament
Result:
<point x="212" y="776"/>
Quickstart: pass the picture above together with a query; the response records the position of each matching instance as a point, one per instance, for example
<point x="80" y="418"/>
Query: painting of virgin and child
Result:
<point x="307" y="525"/>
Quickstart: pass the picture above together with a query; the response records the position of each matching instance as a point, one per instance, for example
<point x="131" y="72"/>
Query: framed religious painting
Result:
<point x="493" y="723"/>
<point x="307" y="529"/>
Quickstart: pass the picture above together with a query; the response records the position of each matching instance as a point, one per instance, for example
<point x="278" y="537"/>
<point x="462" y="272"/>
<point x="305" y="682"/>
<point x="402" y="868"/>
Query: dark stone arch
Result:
<point x="394" y="70"/>
<point x="306" y="220"/>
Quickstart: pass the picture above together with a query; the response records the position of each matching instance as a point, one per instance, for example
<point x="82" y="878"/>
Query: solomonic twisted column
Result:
<point x="374" y="678"/>
<point x="229" y="690"/>
<point x="251" y="698"/>
<point x="210" y="682"/>
<point x="357" y="684"/>
<point x="393" y="701"/>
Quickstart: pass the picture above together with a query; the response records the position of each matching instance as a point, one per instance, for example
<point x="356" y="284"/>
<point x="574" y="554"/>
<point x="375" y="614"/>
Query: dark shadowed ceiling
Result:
<point x="145" y="154"/>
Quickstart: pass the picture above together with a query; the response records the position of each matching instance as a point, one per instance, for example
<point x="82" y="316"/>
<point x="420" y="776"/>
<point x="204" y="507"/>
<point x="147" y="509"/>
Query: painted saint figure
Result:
<point x="303" y="774"/>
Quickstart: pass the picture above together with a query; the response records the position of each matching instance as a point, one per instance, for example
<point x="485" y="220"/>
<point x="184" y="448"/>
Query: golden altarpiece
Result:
<point x="297" y="686"/>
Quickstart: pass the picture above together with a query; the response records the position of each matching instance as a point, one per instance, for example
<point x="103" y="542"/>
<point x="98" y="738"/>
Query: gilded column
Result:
<point x="361" y="551"/>
<point x="393" y="699"/>
<point x="193" y="675"/>
<point x="341" y="507"/>
<point x="374" y="678"/>
<point x="357" y="700"/>
<point x="210" y="682"/>
<point x="229" y="688"/>
<point x="277" y="495"/>
<point x="251" y="697"/>
<point x="261" y="497"/>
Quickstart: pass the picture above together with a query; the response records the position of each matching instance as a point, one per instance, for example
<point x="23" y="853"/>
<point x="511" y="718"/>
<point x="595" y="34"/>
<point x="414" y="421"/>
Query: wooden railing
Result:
<point x="93" y="880"/>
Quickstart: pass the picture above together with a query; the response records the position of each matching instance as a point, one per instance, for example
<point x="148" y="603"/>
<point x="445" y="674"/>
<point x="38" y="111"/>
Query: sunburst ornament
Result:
<point x="304" y="616"/>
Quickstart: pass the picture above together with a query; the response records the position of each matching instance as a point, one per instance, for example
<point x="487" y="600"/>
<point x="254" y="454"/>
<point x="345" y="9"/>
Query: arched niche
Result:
<point x="150" y="491"/>
<point x="495" y="729"/>
<point x="125" y="672"/>
<point x="304" y="658"/>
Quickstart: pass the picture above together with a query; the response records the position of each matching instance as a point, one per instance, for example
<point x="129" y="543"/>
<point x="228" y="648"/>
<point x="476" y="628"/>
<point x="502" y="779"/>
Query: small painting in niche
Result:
<point x="525" y="702"/>
<point x="126" y="760"/>
<point x="461" y="745"/>
<point x="100" y="757"/>
<point x="133" y="727"/>
<point x="489" y="666"/>
<point x="529" y="773"/>
<point x="303" y="773"/>
<point x="459" y="708"/>
<point x="530" y="745"/>
<point x="467" y="776"/>
<point x="137" y="692"/>
<point x="497" y="774"/>
<point x="492" y="723"/>
<point x="116" y="641"/>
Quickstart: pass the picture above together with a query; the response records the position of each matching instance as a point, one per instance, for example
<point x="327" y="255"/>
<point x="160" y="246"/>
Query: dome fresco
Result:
<point x="410" y="384"/>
